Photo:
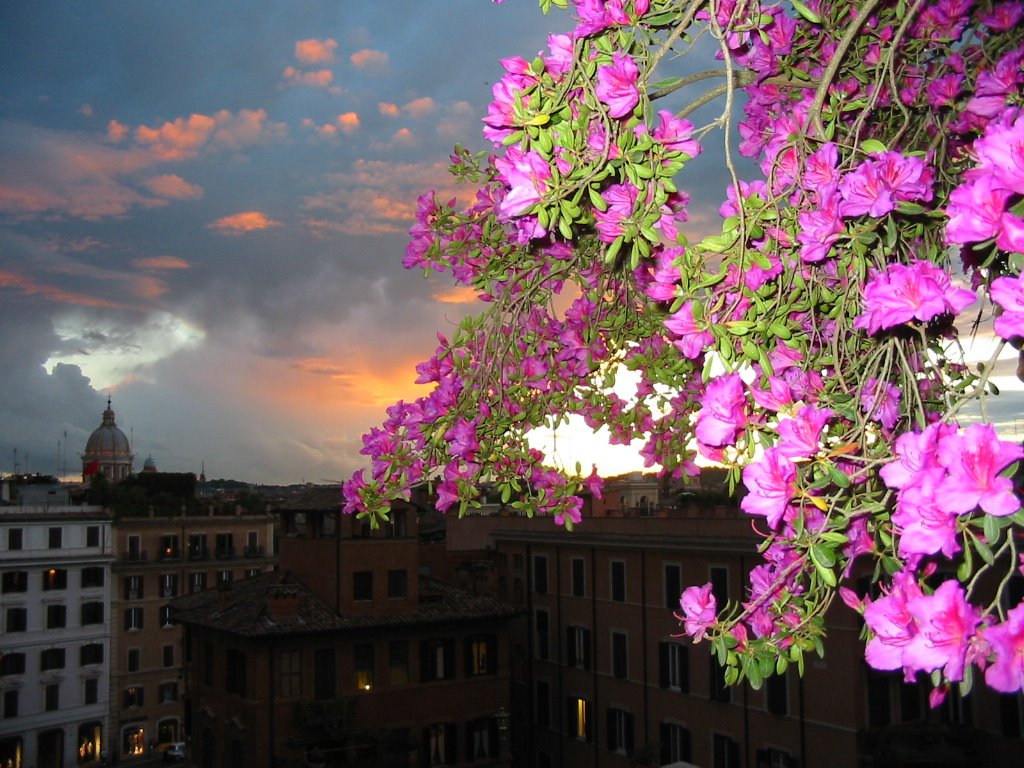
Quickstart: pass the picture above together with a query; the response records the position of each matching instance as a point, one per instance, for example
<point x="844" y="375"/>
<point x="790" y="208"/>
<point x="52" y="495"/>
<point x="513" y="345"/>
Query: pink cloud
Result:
<point x="173" y="187"/>
<point x="116" y="131"/>
<point x="315" y="51"/>
<point x="182" y="138"/>
<point x="420" y="107"/>
<point x="29" y="286"/>
<point x="320" y="78"/>
<point x="240" y="223"/>
<point x="370" y="60"/>
<point x="389" y="110"/>
<point x="456" y="295"/>
<point x="147" y="286"/>
<point x="161" y="263"/>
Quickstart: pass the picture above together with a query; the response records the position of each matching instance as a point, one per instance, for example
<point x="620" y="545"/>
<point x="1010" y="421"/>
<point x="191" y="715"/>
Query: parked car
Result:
<point x="175" y="752"/>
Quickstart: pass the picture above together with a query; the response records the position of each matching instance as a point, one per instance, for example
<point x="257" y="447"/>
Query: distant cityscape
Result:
<point x="158" y="616"/>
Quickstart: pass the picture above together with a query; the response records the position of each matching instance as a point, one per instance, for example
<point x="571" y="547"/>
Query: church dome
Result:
<point x="108" y="450"/>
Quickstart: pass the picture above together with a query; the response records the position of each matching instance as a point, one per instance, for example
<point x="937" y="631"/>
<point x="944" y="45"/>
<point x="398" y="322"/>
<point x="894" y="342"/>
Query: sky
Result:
<point x="203" y="212"/>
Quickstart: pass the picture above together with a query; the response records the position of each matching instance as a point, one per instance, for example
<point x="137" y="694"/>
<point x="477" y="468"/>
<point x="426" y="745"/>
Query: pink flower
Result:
<point x="1006" y="640"/>
<point x="675" y="134"/>
<point x="616" y="85"/>
<point x="771" y="484"/>
<point x="923" y="526"/>
<point x="1008" y="293"/>
<point x="946" y="622"/>
<point x="891" y="623"/>
<point x="944" y="90"/>
<point x="1001" y="152"/>
<point x="878" y="184"/>
<point x="821" y="226"/>
<point x="904" y="292"/>
<point x="820" y="168"/>
<point x="880" y="401"/>
<point x="1003" y="16"/>
<point x="699" y="607"/>
<point x="974" y="461"/>
<point x="692" y="338"/>
<point x="976" y="210"/>
<point x="462" y="441"/>
<point x="621" y="199"/>
<point x="799" y="437"/>
<point x="723" y="411"/>
<point x="526" y="174"/>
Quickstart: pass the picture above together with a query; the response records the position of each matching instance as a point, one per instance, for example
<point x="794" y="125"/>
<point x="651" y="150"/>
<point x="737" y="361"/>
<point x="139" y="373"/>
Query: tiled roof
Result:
<point x="244" y="608"/>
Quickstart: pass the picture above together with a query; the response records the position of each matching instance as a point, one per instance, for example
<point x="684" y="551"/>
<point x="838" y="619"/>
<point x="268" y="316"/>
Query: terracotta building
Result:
<point x="351" y="654"/>
<point x="157" y="558"/>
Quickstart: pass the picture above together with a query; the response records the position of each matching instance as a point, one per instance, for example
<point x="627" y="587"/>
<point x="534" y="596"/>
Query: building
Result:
<point x="607" y="681"/>
<point x="55" y="592"/>
<point x="349" y="655"/>
<point x="157" y="557"/>
<point x="107" y="451"/>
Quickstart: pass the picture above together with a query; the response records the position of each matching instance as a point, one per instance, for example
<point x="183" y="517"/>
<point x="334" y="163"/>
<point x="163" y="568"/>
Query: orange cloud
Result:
<point x="456" y="295"/>
<point x="389" y="110"/>
<point x="116" y="131"/>
<point x="420" y="107"/>
<point x="403" y="137"/>
<point x="85" y="109"/>
<point x="161" y="262"/>
<point x="369" y="59"/>
<point x="315" y="51"/>
<point x="320" y="78"/>
<point x="30" y="287"/>
<point x="174" y="187"/>
<point x="182" y="138"/>
<point x="239" y="223"/>
<point x="348" y="122"/>
<point x="148" y="286"/>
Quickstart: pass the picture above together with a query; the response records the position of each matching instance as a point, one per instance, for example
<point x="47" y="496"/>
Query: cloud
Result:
<point x="319" y="78"/>
<point x="239" y="223"/>
<point x="161" y="263"/>
<point x="456" y="295"/>
<point x="315" y="51"/>
<point x="182" y="138"/>
<point x="420" y="107"/>
<point x="346" y="123"/>
<point x="116" y="131"/>
<point x="370" y="60"/>
<point x="388" y="110"/>
<point x="30" y="287"/>
<point x="85" y="109"/>
<point x="173" y="187"/>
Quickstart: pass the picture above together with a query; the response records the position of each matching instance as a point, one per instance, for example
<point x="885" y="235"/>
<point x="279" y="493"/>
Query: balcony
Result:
<point x="198" y="553"/>
<point x="225" y="553"/>
<point x="135" y="556"/>
<point x="169" y="553"/>
<point x="254" y="551"/>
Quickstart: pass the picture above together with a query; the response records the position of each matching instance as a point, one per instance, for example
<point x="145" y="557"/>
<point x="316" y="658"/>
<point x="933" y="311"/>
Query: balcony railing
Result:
<point x="170" y="553"/>
<point x="135" y="556"/>
<point x="225" y="553"/>
<point x="254" y="551"/>
<point x="198" y="553"/>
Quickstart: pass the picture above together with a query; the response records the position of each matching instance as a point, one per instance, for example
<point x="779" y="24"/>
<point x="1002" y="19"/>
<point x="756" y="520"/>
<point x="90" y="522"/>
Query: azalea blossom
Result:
<point x="771" y="485"/>
<point x="723" y="411"/>
<point x="974" y="461"/>
<point x="946" y="623"/>
<point x="904" y="292"/>
<point x="616" y="85"/>
<point x="1006" y="673"/>
<point x="1008" y="293"/>
<point x="699" y="607"/>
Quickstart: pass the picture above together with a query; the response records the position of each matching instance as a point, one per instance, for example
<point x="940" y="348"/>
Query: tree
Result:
<point x="809" y="346"/>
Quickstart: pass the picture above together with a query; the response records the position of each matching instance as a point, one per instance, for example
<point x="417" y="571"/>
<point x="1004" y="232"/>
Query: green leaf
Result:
<point x="870" y="146"/>
<point x="806" y="12"/>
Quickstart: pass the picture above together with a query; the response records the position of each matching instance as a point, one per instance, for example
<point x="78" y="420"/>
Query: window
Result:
<point x="165" y="616"/>
<point x="51" y="697"/>
<point x="134" y="696"/>
<point x="51" y="658"/>
<point x="14" y="538"/>
<point x="543" y="639"/>
<point x="675" y="744"/>
<point x="168" y="656"/>
<point x="718" y="690"/>
<point x="225" y="546"/>
<point x="92" y="576"/>
<point x="398" y="584"/>
<point x="481" y="655"/>
<point x="543" y="703"/>
<point x="439" y="743"/>
<point x="540" y="574"/>
<point x="362" y="663"/>
<point x="482" y="738"/>
<point x="135" y="552"/>
<point x="620" y="731"/>
<point x="578" y="725"/>
<point x="720" y="583"/>
<point x="17" y="620"/>
<point x="620" y="663"/>
<point x="55" y="537"/>
<point x="169" y="547"/>
<point x="224" y="578"/>
<point x="56" y="616"/>
<point x="92" y="536"/>
<point x="197" y="582"/>
<point x="324" y="674"/>
<point x="169" y="585"/>
<point x="578" y="577"/>
<point x="10" y="704"/>
<point x="618" y="581"/>
<point x="14" y="581"/>
<point x="90" y="653"/>
<point x="673" y="585"/>
<point x="437" y="660"/>
<point x="398" y="662"/>
<point x="91" y="690"/>
<point x="134" y="659"/>
<point x="252" y="544"/>
<point x="12" y="664"/>
<point x="55" y="578"/>
<point x="197" y="549"/>
<point x="775" y="758"/>
<point x="577" y="647"/>
<point x="235" y="671"/>
<point x="725" y="751"/>
<point x="133" y="587"/>
<point x="675" y="666"/>
<point x="133" y="619"/>
<point x="291" y="673"/>
<point x="362" y="585"/>
<point x="399" y="524"/>
<point x="776" y="694"/>
<point x="167" y="693"/>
